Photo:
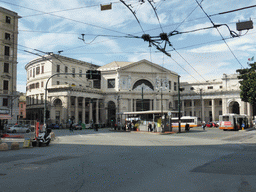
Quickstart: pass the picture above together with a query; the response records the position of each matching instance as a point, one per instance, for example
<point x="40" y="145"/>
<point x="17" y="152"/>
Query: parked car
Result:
<point x="77" y="126"/>
<point x="18" y="129"/>
<point x="212" y="124"/>
<point x="54" y="126"/>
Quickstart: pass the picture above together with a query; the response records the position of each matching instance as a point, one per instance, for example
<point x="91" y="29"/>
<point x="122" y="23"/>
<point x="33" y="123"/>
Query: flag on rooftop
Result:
<point x="251" y="59"/>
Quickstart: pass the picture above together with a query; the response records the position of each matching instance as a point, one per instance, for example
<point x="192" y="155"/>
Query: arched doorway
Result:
<point x="58" y="109"/>
<point x="111" y="113"/>
<point x="143" y="85"/>
<point x="234" y="107"/>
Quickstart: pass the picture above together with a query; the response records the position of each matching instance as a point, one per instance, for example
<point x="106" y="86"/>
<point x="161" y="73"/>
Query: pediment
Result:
<point x="144" y="66"/>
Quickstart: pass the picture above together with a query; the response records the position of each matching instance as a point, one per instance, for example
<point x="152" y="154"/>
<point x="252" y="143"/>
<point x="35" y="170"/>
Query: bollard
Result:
<point x="15" y="146"/>
<point x="3" y="147"/>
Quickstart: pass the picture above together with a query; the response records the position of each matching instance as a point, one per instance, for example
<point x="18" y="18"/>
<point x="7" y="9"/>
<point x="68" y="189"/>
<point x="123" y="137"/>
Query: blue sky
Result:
<point x="55" y="25"/>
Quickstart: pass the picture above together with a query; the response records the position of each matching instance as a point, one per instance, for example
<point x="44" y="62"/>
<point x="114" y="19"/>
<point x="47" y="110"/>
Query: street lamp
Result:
<point x="162" y="82"/>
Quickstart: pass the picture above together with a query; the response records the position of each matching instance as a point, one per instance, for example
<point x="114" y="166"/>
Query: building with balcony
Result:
<point x="8" y="64"/>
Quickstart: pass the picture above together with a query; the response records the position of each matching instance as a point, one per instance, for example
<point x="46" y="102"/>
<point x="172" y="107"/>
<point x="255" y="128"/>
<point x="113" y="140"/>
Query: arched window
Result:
<point x="143" y="83"/>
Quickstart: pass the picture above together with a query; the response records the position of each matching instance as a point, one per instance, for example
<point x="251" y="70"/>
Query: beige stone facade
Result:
<point x="123" y="87"/>
<point x="8" y="65"/>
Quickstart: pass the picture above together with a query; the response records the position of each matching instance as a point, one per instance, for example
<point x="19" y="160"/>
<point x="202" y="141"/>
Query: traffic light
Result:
<point x="93" y="74"/>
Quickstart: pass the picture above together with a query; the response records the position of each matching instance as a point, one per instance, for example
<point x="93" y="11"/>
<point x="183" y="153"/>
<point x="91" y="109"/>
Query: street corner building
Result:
<point x="122" y="87"/>
<point x="9" y="97"/>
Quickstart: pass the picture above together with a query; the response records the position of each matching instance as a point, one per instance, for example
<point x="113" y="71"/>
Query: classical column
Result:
<point x="193" y="107"/>
<point x="213" y="110"/>
<point x="203" y="110"/>
<point x="249" y="109"/>
<point x="69" y="107"/>
<point x="76" y="110"/>
<point x="83" y="110"/>
<point x="90" y="110"/>
<point x="131" y="105"/>
<point x="183" y="108"/>
<point x="106" y="111"/>
<point x="154" y="107"/>
<point x="224" y="106"/>
<point x="97" y="111"/>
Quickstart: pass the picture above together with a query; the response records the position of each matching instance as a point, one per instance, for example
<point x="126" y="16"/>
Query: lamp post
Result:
<point x="162" y="113"/>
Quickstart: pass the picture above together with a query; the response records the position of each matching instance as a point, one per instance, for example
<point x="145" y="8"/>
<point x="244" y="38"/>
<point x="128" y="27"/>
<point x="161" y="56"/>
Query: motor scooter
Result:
<point x="42" y="139"/>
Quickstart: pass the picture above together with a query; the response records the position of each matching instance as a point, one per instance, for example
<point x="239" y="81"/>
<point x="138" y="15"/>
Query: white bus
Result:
<point x="190" y="120"/>
<point x="234" y="122"/>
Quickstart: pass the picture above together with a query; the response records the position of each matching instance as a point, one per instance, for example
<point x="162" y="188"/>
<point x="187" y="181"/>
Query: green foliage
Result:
<point x="248" y="83"/>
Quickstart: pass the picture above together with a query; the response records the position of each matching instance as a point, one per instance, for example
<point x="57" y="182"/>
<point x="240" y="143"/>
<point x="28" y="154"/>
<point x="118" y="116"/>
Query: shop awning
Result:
<point x="5" y="116"/>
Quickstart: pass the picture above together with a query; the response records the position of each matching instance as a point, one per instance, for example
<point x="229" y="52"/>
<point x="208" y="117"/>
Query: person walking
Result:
<point x="204" y="125"/>
<point x="71" y="128"/>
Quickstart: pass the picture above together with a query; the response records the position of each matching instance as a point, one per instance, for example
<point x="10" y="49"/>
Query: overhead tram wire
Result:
<point x="93" y="25"/>
<point x="128" y="6"/>
<point x="231" y="11"/>
<point x="220" y="34"/>
<point x="147" y="37"/>
<point x="154" y="8"/>
<point x="179" y="53"/>
<point x="64" y="10"/>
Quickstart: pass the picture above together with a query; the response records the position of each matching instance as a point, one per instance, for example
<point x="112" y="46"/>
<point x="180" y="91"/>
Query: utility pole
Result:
<point x="179" y="102"/>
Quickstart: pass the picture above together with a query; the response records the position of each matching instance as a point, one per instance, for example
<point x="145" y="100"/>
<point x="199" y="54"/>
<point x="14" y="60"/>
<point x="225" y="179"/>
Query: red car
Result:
<point x="212" y="124"/>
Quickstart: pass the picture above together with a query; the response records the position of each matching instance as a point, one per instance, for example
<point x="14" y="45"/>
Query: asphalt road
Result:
<point x="211" y="160"/>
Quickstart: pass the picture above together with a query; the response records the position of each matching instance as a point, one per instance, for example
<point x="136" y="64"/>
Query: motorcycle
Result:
<point x="42" y="139"/>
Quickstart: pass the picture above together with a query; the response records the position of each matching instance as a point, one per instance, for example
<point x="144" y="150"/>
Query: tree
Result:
<point x="248" y="83"/>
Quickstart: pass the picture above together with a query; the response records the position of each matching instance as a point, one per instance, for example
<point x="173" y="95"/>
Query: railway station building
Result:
<point x="122" y="87"/>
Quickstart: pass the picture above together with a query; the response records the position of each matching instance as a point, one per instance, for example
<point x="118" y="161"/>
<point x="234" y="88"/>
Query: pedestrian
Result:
<point x="71" y="127"/>
<point x="204" y="125"/>
<point x="149" y="127"/>
<point x="129" y="126"/>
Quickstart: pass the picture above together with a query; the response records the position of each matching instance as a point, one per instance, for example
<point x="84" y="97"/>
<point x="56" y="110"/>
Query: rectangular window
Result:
<point x="190" y="113"/>
<point x="210" y="87"/>
<point x="210" y="103"/>
<point x="220" y="87"/>
<point x="37" y="85"/>
<point x="6" y="67"/>
<point x="6" y="85"/>
<point x="8" y="19"/>
<point x="73" y="71"/>
<point x="220" y="112"/>
<point x="21" y="105"/>
<point x="220" y="102"/>
<point x="58" y="69"/>
<point x="42" y="84"/>
<point x="6" y="51"/>
<point x="34" y="70"/>
<point x="194" y="113"/>
<point x="37" y="70"/>
<point x="58" y="82"/>
<point x="66" y="69"/>
<point x="42" y="99"/>
<point x="7" y="36"/>
<point x="5" y="102"/>
<point x="42" y="69"/>
<point x="170" y="85"/>
<point x="191" y="88"/>
<point x="111" y="83"/>
<point x="175" y="86"/>
<point x="80" y="73"/>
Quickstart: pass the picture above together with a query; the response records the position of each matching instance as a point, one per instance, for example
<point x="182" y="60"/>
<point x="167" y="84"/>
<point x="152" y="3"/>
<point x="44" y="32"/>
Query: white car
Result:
<point x="18" y="129"/>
